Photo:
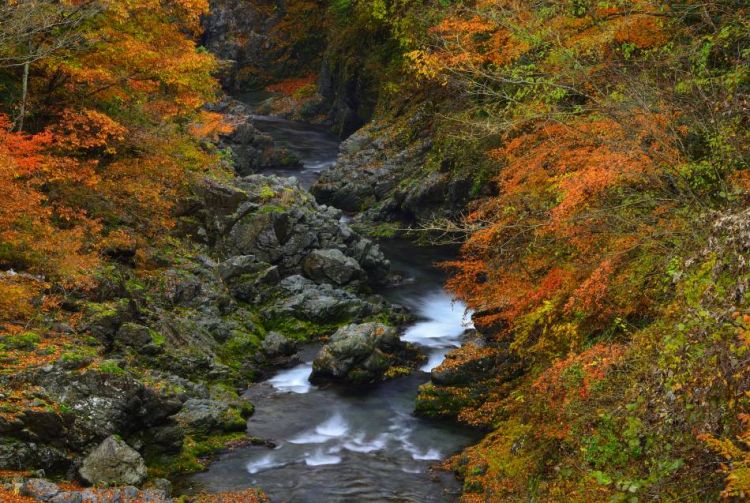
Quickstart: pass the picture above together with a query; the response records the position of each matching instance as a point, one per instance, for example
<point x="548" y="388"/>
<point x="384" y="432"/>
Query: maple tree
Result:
<point x="110" y="90"/>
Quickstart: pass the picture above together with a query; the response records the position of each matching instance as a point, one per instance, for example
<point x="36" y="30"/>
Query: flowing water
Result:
<point x="338" y="445"/>
<point x="315" y="146"/>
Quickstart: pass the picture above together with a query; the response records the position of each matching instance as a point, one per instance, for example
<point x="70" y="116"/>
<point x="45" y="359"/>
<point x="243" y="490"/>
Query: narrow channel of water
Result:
<point x="315" y="146"/>
<point x="338" y="445"/>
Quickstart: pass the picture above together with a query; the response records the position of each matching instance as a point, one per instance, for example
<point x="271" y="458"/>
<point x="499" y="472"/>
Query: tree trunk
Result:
<point x="24" y="95"/>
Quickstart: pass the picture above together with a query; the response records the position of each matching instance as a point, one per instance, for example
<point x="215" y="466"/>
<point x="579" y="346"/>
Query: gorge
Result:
<point x="374" y="250"/>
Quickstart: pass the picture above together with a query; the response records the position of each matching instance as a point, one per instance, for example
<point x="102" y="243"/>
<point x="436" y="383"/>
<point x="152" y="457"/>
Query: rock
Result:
<point x="221" y="199"/>
<point x="386" y="177"/>
<point x="203" y="416"/>
<point x="358" y="353"/>
<point x="461" y="372"/>
<point x="248" y="278"/>
<point x="276" y="345"/>
<point x="133" y="335"/>
<point x="306" y="300"/>
<point x="254" y="151"/>
<point x="113" y="462"/>
<point x="21" y="455"/>
<point x="240" y="265"/>
<point x="164" y="486"/>
<point x="104" y="320"/>
<point x="281" y="225"/>
<point x="46" y="425"/>
<point x="67" y="497"/>
<point x="40" y="489"/>
<point x="332" y="266"/>
<point x="104" y="403"/>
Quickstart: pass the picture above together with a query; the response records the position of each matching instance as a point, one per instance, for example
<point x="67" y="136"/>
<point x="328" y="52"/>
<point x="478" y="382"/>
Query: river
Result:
<point x="338" y="445"/>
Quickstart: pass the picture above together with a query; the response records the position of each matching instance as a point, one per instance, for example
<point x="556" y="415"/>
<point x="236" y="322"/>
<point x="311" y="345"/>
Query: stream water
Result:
<point x="337" y="445"/>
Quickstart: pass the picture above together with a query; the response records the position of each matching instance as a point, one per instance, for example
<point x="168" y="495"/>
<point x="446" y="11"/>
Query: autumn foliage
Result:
<point x="610" y="158"/>
<point x="107" y="147"/>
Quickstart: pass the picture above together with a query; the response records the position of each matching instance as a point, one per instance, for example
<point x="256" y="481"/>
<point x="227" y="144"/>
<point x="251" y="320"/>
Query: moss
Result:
<point x="157" y="337"/>
<point x="443" y="401"/>
<point x="238" y="347"/>
<point x="272" y="208"/>
<point x="385" y="230"/>
<point x="26" y="341"/>
<point x="111" y="367"/>
<point x="192" y="457"/>
<point x="397" y="371"/>
<point x="300" y="330"/>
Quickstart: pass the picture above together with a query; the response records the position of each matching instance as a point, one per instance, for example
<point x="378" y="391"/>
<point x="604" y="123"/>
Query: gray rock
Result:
<point x="205" y="416"/>
<point x="103" y="403"/>
<point x="40" y="489"/>
<point x="113" y="462"/>
<point x="306" y="300"/>
<point x="22" y="455"/>
<point x="164" y="486"/>
<point x="221" y="199"/>
<point x="276" y="345"/>
<point x="358" y="353"/>
<point x="387" y="177"/>
<point x="281" y="225"/>
<point x="332" y="266"/>
<point x="67" y="497"/>
<point x="240" y="265"/>
<point x="133" y="335"/>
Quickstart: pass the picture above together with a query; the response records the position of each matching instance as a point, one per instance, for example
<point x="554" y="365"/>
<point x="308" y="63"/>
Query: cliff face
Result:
<point x="263" y="41"/>
<point x="266" y="42"/>
<point x="238" y="32"/>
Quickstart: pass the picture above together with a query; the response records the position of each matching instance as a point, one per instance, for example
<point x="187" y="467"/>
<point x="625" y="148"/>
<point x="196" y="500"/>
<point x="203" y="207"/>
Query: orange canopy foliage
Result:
<point x="31" y="240"/>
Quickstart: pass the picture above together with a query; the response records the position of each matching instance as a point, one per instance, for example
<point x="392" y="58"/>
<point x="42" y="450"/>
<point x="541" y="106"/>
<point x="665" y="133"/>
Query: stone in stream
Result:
<point x="359" y="353"/>
<point x="113" y="462"/>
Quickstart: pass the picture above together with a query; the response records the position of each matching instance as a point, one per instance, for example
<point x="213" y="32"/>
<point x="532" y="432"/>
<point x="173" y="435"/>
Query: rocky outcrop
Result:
<point x="237" y="32"/>
<point x="388" y="177"/>
<point x="467" y="376"/>
<point x="94" y="404"/>
<point x="252" y="150"/>
<point x="113" y="462"/>
<point x="257" y="46"/>
<point x="359" y="354"/>
<point x="280" y="224"/>
<point x="306" y="300"/>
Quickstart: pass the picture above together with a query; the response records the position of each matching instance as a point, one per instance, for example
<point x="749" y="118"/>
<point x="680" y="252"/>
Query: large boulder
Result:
<point x="113" y="462"/>
<point x="99" y="403"/>
<point x="332" y="266"/>
<point x="359" y="353"/>
<point x="303" y="299"/>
